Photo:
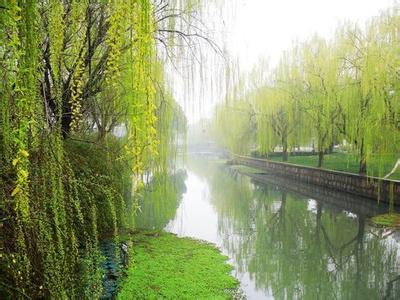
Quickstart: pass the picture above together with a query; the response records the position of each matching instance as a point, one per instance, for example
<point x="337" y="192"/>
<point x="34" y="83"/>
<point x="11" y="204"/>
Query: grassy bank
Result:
<point x="377" y="166"/>
<point x="167" y="267"/>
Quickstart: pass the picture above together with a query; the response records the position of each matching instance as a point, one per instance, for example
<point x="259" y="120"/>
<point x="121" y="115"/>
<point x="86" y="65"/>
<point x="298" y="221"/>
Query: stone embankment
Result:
<point x="365" y="186"/>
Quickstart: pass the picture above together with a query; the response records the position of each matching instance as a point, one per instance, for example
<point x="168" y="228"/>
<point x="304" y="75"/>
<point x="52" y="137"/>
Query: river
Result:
<point x="283" y="244"/>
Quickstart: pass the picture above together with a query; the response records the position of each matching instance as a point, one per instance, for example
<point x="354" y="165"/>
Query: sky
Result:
<point x="264" y="29"/>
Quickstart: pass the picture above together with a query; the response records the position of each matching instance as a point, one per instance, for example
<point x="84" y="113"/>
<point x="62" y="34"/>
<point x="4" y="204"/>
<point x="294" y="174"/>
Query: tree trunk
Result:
<point x="101" y="134"/>
<point x="330" y="149"/>
<point x="284" y="145"/>
<point x="363" y="160"/>
<point x="285" y="152"/>
<point x="320" y="158"/>
<point x="363" y="166"/>
<point x="285" y="155"/>
<point x="66" y="120"/>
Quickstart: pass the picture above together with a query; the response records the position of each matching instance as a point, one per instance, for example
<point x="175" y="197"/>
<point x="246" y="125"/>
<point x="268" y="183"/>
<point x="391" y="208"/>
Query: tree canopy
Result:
<point x="85" y="113"/>
<point x="342" y="91"/>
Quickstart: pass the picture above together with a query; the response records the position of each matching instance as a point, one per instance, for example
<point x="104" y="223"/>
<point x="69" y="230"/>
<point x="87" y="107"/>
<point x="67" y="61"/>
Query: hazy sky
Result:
<point x="266" y="28"/>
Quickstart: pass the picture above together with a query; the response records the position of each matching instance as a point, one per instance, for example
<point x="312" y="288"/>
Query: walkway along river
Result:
<point x="286" y="242"/>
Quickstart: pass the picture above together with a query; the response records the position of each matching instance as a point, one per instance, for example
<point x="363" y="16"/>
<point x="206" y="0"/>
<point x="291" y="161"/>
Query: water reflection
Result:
<point x="195" y="210"/>
<point x="286" y="245"/>
<point x="161" y="200"/>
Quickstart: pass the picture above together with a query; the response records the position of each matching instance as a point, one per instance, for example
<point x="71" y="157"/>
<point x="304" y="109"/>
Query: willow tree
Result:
<point x="321" y="71"/>
<point x="72" y="72"/>
<point x="358" y="57"/>
<point x="343" y="91"/>
<point x="234" y="126"/>
<point x="371" y="99"/>
<point x="381" y="78"/>
<point x="388" y="106"/>
<point x="273" y="121"/>
<point x="279" y="117"/>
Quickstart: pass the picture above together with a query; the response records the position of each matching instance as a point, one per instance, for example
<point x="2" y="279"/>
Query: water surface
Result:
<point x="285" y="241"/>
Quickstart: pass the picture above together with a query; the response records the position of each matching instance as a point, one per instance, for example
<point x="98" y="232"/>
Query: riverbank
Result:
<point x="163" y="265"/>
<point x="369" y="187"/>
<point x="346" y="162"/>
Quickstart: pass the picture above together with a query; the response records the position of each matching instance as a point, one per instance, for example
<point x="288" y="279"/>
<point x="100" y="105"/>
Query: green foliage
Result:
<point x="345" y="162"/>
<point x="103" y="176"/>
<point x="170" y="267"/>
<point x="72" y="70"/>
<point x="278" y="107"/>
<point x="343" y="91"/>
<point x="234" y="126"/>
<point x="160" y="201"/>
<point x="387" y="220"/>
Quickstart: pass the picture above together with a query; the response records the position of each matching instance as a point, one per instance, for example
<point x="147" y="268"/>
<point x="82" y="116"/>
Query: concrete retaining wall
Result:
<point x="334" y="199"/>
<point x="255" y="154"/>
<point x="370" y="187"/>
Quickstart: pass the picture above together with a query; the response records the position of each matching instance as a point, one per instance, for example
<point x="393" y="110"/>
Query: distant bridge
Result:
<point x="209" y="149"/>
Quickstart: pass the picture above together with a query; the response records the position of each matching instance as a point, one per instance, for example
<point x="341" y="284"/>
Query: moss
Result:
<point x="168" y="267"/>
<point x="387" y="220"/>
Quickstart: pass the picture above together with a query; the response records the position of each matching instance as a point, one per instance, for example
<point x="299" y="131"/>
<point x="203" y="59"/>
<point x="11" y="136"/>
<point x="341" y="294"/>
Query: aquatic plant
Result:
<point x="171" y="267"/>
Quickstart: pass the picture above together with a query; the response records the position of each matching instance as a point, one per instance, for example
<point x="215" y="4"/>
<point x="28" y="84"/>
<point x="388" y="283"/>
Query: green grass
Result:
<point x="377" y="166"/>
<point x="387" y="220"/>
<point x="168" y="267"/>
<point x="245" y="169"/>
